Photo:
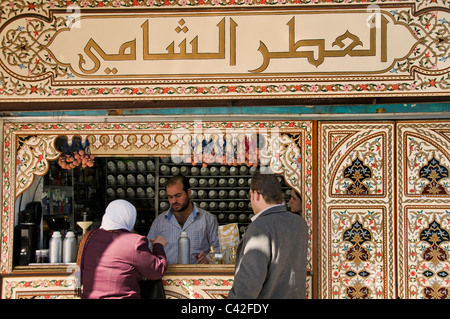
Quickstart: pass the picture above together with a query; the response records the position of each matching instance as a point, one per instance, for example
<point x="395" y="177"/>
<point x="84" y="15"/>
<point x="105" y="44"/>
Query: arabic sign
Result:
<point x="86" y="55"/>
<point x="227" y="45"/>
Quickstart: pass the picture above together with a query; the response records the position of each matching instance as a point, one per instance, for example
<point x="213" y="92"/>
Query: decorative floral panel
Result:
<point x="119" y="50"/>
<point x="198" y="286"/>
<point x="423" y="210"/>
<point x="356" y="211"/>
<point x="50" y="287"/>
<point x="284" y="147"/>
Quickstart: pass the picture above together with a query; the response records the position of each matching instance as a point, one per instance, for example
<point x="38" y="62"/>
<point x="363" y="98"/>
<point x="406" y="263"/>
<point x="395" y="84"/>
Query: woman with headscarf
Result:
<point x="113" y="260"/>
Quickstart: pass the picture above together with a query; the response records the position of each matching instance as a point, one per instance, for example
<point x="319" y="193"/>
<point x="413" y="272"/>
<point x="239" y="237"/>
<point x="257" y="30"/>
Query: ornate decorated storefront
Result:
<point x="154" y="78"/>
<point x="286" y="148"/>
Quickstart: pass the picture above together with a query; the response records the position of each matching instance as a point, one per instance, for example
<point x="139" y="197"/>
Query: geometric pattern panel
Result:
<point x="423" y="216"/>
<point x="356" y="205"/>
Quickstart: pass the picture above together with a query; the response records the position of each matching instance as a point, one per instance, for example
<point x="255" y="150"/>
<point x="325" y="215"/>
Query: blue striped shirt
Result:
<point x="201" y="227"/>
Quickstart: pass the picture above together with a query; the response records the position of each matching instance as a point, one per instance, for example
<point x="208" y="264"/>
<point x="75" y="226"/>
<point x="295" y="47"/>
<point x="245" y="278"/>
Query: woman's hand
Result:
<point x="159" y="240"/>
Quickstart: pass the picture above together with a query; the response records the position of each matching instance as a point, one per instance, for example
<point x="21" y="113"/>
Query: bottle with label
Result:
<point x="212" y="253"/>
<point x="233" y="255"/>
<point x="184" y="249"/>
<point x="55" y="248"/>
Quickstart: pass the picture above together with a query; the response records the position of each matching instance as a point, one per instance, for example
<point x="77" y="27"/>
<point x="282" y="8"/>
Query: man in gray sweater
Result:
<point x="271" y="257"/>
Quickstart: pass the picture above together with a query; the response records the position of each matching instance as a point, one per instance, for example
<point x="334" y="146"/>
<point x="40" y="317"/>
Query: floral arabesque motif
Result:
<point x="428" y="168"/>
<point x="432" y="50"/>
<point x="435" y="236"/>
<point x="362" y="173"/>
<point x="358" y="273"/>
<point x="357" y="172"/>
<point x="24" y="48"/>
<point x="434" y="172"/>
<point x="32" y="159"/>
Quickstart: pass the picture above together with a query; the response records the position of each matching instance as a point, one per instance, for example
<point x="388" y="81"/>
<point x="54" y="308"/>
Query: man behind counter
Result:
<point x="185" y="216"/>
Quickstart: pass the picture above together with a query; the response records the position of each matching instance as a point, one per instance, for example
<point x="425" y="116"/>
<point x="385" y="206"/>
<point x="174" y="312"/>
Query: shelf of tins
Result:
<point x="220" y="189"/>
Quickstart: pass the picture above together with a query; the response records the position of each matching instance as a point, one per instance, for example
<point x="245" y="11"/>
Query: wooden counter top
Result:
<point x="48" y="269"/>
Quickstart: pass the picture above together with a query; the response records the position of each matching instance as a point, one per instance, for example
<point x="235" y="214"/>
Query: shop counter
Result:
<point x="56" y="281"/>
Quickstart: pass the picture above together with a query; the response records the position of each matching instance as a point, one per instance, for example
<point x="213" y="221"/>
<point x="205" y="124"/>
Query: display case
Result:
<point x="218" y="188"/>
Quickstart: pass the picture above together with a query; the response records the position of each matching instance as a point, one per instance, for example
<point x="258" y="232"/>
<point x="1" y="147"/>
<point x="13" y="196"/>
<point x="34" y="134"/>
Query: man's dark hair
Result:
<point x="179" y="179"/>
<point x="268" y="186"/>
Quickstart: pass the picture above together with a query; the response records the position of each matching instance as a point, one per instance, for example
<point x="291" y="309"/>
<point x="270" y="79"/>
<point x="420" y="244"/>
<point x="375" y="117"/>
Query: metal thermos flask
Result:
<point x="69" y="248"/>
<point x="184" y="249"/>
<point x="55" y="247"/>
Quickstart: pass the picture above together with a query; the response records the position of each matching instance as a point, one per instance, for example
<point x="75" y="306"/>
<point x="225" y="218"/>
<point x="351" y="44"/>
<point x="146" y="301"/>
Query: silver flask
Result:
<point x="69" y="248"/>
<point x="184" y="249"/>
<point x="55" y="248"/>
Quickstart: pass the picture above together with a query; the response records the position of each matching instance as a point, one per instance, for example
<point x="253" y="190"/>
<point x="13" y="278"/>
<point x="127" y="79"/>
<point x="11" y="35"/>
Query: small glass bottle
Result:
<point x="233" y="255"/>
<point x="212" y="255"/>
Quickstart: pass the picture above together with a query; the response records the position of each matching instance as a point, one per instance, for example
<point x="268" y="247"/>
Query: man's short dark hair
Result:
<point x="268" y="186"/>
<point x="179" y="179"/>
